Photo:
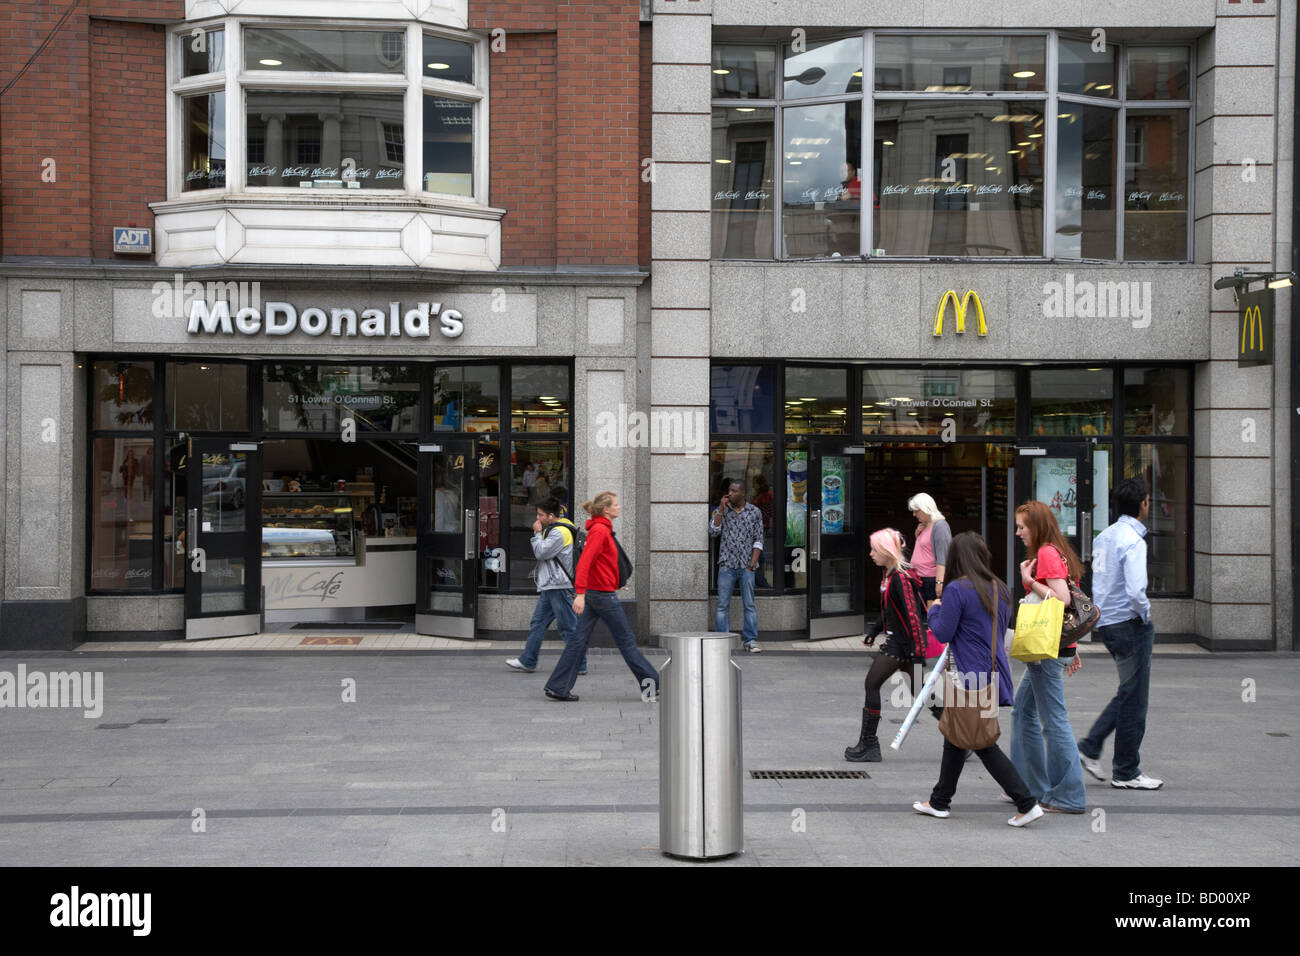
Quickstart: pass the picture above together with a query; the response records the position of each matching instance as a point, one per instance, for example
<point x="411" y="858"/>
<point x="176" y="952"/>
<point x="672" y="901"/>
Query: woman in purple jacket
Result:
<point x="964" y="620"/>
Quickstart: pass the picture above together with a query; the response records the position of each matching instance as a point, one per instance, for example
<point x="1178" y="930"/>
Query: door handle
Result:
<point x="815" y="535"/>
<point x="192" y="531"/>
<point x="1085" y="537"/>
<point x="471" y="533"/>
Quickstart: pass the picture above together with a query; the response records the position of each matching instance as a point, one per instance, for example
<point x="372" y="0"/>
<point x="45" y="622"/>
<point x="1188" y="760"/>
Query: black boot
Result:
<point x="867" y="749"/>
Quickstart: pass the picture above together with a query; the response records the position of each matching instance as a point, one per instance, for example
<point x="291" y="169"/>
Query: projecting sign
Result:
<point x="133" y="241"/>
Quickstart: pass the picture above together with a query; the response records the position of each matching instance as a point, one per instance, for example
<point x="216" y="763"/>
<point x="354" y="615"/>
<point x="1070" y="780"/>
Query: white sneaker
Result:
<point x="1092" y="766"/>
<point x="928" y="810"/>
<point x="1140" y="782"/>
<point x="1024" y="819"/>
<point x="514" y="662"/>
<point x="753" y="648"/>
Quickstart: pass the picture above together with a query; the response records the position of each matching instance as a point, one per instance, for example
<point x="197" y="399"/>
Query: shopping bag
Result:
<point x="1038" y="630"/>
<point x="932" y="647"/>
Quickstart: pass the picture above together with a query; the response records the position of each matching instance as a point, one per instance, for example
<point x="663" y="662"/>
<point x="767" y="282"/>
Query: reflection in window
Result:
<point x="1155" y="185"/>
<point x="824" y="69"/>
<point x="1071" y="401"/>
<point x="203" y="50"/>
<point x="1157" y="401"/>
<point x="1158" y="73"/>
<point x="816" y="401"/>
<point x="742" y="399"/>
<point x="448" y="145"/>
<point x="448" y="59"/>
<point x="466" y="398"/>
<point x="822" y="188"/>
<point x="1085" y="70"/>
<point x="324" y="51"/>
<point x="1085" y="182"/>
<point x="538" y="470"/>
<point x="957" y="64"/>
<point x="1164" y="468"/>
<point x="744" y="184"/>
<point x="123" y="395"/>
<point x="205" y="141"/>
<point x="539" y="398"/>
<point x="750" y="463"/>
<point x="207" y="396"/>
<point x="493" y="571"/>
<point x="320" y="398"/>
<point x="744" y="72"/>
<point x="916" y="401"/>
<point x="121" y="518"/>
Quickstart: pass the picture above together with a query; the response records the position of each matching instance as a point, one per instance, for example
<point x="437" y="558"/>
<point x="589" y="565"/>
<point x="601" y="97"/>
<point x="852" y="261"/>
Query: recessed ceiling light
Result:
<point x="888" y="142"/>
<point x="724" y="162"/>
<point x="1025" y="143"/>
<point x="796" y="162"/>
<point x="439" y="66"/>
<point x="1103" y="86"/>
<point x="269" y="62"/>
<point x="1035" y="135"/>
<point x="1023" y="74"/>
<point x="744" y="109"/>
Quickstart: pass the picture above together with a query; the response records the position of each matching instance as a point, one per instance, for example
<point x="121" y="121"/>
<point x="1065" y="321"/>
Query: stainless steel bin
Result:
<point x="700" y="765"/>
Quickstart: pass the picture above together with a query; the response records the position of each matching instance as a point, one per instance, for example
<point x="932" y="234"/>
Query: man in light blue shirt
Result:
<point x="1119" y="589"/>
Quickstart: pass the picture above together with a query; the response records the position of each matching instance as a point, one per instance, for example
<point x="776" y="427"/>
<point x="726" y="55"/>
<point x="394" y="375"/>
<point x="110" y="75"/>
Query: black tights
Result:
<point x="881" y="669"/>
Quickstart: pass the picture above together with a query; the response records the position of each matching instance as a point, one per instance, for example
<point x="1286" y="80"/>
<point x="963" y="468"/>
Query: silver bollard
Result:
<point x="700" y="768"/>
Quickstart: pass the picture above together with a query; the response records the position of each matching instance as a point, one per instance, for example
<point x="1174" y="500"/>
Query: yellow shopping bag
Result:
<point x="1038" y="630"/>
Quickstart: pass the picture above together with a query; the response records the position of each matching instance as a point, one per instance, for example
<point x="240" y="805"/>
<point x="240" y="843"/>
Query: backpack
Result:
<point x="579" y="541"/>
<point x="624" y="562"/>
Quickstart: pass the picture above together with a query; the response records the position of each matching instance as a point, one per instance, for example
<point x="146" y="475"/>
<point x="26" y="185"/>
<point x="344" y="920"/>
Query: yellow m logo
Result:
<point x="1250" y="322"/>
<point x="960" y="308"/>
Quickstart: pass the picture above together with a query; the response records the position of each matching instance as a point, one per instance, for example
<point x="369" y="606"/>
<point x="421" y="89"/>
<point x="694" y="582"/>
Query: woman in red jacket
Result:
<point x="596" y="584"/>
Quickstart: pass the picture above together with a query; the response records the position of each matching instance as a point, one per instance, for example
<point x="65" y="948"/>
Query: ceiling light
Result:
<point x="807" y="399"/>
<point x="744" y="109"/>
<point x="1035" y="135"/>
<point x="1064" y="115"/>
<point x="857" y="72"/>
<point x="439" y="66"/>
<point x="795" y="162"/>
<point x="269" y="62"/>
<point x="1104" y="86"/>
<point x="1023" y="74"/>
<point x="888" y="142"/>
<point x="723" y="161"/>
<point x="1025" y="143"/>
<point x="721" y="72"/>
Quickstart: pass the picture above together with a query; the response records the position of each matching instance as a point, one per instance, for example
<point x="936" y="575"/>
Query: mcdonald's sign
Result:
<point x="959" y="307"/>
<point x="1255" y="328"/>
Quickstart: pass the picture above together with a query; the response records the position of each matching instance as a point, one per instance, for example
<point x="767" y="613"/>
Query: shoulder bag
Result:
<point x="970" y="717"/>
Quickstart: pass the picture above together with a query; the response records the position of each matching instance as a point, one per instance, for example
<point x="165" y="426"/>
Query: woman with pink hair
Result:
<point x="903" y="624"/>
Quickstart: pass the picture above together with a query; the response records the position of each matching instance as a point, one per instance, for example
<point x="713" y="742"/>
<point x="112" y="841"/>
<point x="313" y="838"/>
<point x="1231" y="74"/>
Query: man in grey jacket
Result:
<point x="552" y="543"/>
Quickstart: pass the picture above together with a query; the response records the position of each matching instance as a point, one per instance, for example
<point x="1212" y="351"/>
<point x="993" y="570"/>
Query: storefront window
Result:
<point x="205" y="141"/>
<point x="794" y="475"/>
<point x="1164" y="468"/>
<point x="539" y="398"/>
<point x="816" y="401"/>
<point x="1071" y="401"/>
<point x="207" y="396"/>
<point x="123" y="395"/>
<point x="822" y="186"/>
<point x="322" y="398"/>
<point x="538" y="470"/>
<point x="1085" y="182"/>
<point x="174" y="511"/>
<point x="121" y="524"/>
<point x="1157" y="401"/>
<point x="1155" y="185"/>
<point x="493" y="567"/>
<point x="752" y="464"/>
<point x="466" y="398"/>
<point x="957" y="402"/>
<point x="744" y="187"/>
<point x="958" y="64"/>
<point x="742" y="399"/>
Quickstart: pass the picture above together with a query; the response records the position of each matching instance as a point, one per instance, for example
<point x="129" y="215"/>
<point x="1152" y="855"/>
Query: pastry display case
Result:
<point x="307" y="525"/>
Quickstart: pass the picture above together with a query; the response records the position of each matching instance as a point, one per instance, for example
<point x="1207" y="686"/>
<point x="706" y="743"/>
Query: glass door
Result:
<point x="223" y="539"/>
<point x="836" y="547"/>
<point x="447" y="540"/>
<point x="1073" y="480"/>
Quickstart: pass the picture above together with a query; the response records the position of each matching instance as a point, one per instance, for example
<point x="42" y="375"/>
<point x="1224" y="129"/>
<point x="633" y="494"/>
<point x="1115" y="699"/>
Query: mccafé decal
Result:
<point x="959" y="307"/>
<point x="281" y="318"/>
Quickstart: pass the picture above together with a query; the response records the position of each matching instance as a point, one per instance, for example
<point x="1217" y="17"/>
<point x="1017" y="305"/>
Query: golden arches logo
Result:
<point x="1252" y="321"/>
<point x="959" y="307"/>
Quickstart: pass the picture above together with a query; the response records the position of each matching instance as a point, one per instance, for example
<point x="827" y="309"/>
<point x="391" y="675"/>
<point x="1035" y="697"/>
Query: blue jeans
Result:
<point x="602" y="605"/>
<point x="727" y="578"/>
<point x="1050" y="767"/>
<point x="1129" y="642"/>
<point x="554" y="604"/>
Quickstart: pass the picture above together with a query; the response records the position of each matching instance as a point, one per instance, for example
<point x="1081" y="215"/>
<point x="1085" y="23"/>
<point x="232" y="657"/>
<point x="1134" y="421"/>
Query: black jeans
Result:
<point x="998" y="765"/>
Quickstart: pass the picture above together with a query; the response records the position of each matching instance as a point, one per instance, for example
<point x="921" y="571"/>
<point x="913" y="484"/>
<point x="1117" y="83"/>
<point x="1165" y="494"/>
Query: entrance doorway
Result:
<point x="447" y="564"/>
<point x="836" y="543"/>
<point x="1073" y="480"/>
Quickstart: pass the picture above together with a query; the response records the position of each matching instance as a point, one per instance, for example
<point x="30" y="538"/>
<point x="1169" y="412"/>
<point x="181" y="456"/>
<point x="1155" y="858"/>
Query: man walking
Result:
<point x="740" y="526"/>
<point x="1119" y="588"/>
<point x="552" y="543"/>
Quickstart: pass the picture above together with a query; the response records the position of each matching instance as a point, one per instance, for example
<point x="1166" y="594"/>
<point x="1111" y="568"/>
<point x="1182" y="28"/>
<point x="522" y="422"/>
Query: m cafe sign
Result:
<point x="282" y="318"/>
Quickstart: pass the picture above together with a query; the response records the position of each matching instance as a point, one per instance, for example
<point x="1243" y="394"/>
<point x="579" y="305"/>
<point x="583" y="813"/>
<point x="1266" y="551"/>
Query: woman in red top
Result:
<point x="596" y="584"/>
<point x="1043" y="747"/>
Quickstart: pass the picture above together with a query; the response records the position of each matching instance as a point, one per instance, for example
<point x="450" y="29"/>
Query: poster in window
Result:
<point x="796" y="492"/>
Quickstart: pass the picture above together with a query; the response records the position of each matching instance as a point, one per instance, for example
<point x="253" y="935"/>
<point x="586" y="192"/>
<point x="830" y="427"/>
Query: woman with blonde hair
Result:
<point x="902" y="615"/>
<point x="596" y="583"/>
<point x="933" y="536"/>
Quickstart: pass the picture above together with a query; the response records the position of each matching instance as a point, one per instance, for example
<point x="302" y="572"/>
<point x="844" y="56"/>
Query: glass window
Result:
<point x="1072" y="401"/>
<point x="538" y="470"/>
<point x="207" y="396"/>
<point x="1164" y="468"/>
<point x="174" y="512"/>
<point x="539" y="398"/>
<point x="1157" y="401"/>
<point x="824" y="69"/>
<point x="328" y="139"/>
<point x="750" y="463"/>
<point x="925" y="401"/>
<point x="822" y="194"/>
<point x="742" y="399"/>
<point x="959" y="178"/>
<point x="321" y="398"/>
<point x="1155" y="185"/>
<point x="956" y="64"/>
<point x="744" y="72"/>
<point x="204" y="118"/>
<point x="203" y="51"/>
<point x="446" y="59"/>
<point x="794" y="475"/>
<point x="1085" y="182"/>
<point x="816" y="401"/>
<point x="492" y="575"/>
<point x="466" y="398"/>
<point x="1083" y="69"/>
<point x="324" y="51"/>
<point x="744" y="184"/>
<point x="448" y="145"/>
<point x="123" y="395"/>
<point x="1159" y="73"/>
<point x="121" y="523"/>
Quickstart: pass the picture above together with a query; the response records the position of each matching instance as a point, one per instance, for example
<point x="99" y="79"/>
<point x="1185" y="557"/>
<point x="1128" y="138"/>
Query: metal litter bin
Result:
<point x="700" y="766"/>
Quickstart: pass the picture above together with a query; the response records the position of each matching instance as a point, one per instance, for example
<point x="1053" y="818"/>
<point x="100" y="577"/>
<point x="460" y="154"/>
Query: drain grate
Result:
<point x="809" y="775"/>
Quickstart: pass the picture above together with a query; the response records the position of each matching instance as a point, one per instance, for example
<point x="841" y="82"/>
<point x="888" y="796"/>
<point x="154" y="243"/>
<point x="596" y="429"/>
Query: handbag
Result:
<point x="1080" y="617"/>
<point x="1038" y="629"/>
<point x="968" y="721"/>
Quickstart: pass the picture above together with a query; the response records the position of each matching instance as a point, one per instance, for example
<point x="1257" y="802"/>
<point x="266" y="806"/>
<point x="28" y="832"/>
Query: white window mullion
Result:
<point x="235" y="163"/>
<point x="413" y="134"/>
<point x="1051" y="127"/>
<point x="482" y="170"/>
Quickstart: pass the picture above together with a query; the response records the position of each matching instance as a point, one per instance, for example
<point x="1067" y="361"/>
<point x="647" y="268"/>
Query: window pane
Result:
<point x="121" y="523"/>
<point x="123" y="395"/>
<point x="319" y="398"/>
<point x="1085" y="70"/>
<point x="491" y="574"/>
<point x="539" y="398"/>
<point x="744" y="183"/>
<point x="205" y="141"/>
<point x="325" y="140"/>
<point x="745" y="72"/>
<point x="1157" y="401"/>
<point x="466" y="398"/>
<point x="959" y="178"/>
<point x="174" y="512"/>
<point x="448" y="145"/>
<point x="1158" y="73"/>
<point x="1164" y="468"/>
<point x="794" y="475"/>
<point x="954" y="64"/>
<point x="823" y="192"/>
<point x="742" y="399"/>
<point x="1072" y="401"/>
<point x="207" y="396"/>
<point x="1085" y="182"/>
<point x="750" y="463"/>
<point x="324" y="51"/>
<point x="917" y="401"/>
<point x="1155" y="185"/>
<point x="448" y="59"/>
<point x="538" y="470"/>
<point x="824" y="69"/>
<point x="816" y="401"/>
<point x="204" y="53"/>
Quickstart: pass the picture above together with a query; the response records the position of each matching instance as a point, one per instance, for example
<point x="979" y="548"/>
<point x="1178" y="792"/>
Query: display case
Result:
<point x="307" y="525"/>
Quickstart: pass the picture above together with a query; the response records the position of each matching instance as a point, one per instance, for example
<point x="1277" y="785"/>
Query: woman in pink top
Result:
<point x="932" y="539"/>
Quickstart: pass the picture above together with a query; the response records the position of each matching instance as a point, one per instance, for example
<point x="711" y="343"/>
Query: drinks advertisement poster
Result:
<point x="835" y="494"/>
<point x="796" y="491"/>
<point x="1056" y="485"/>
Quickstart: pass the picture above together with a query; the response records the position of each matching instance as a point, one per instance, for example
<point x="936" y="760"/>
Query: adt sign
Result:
<point x="130" y="239"/>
